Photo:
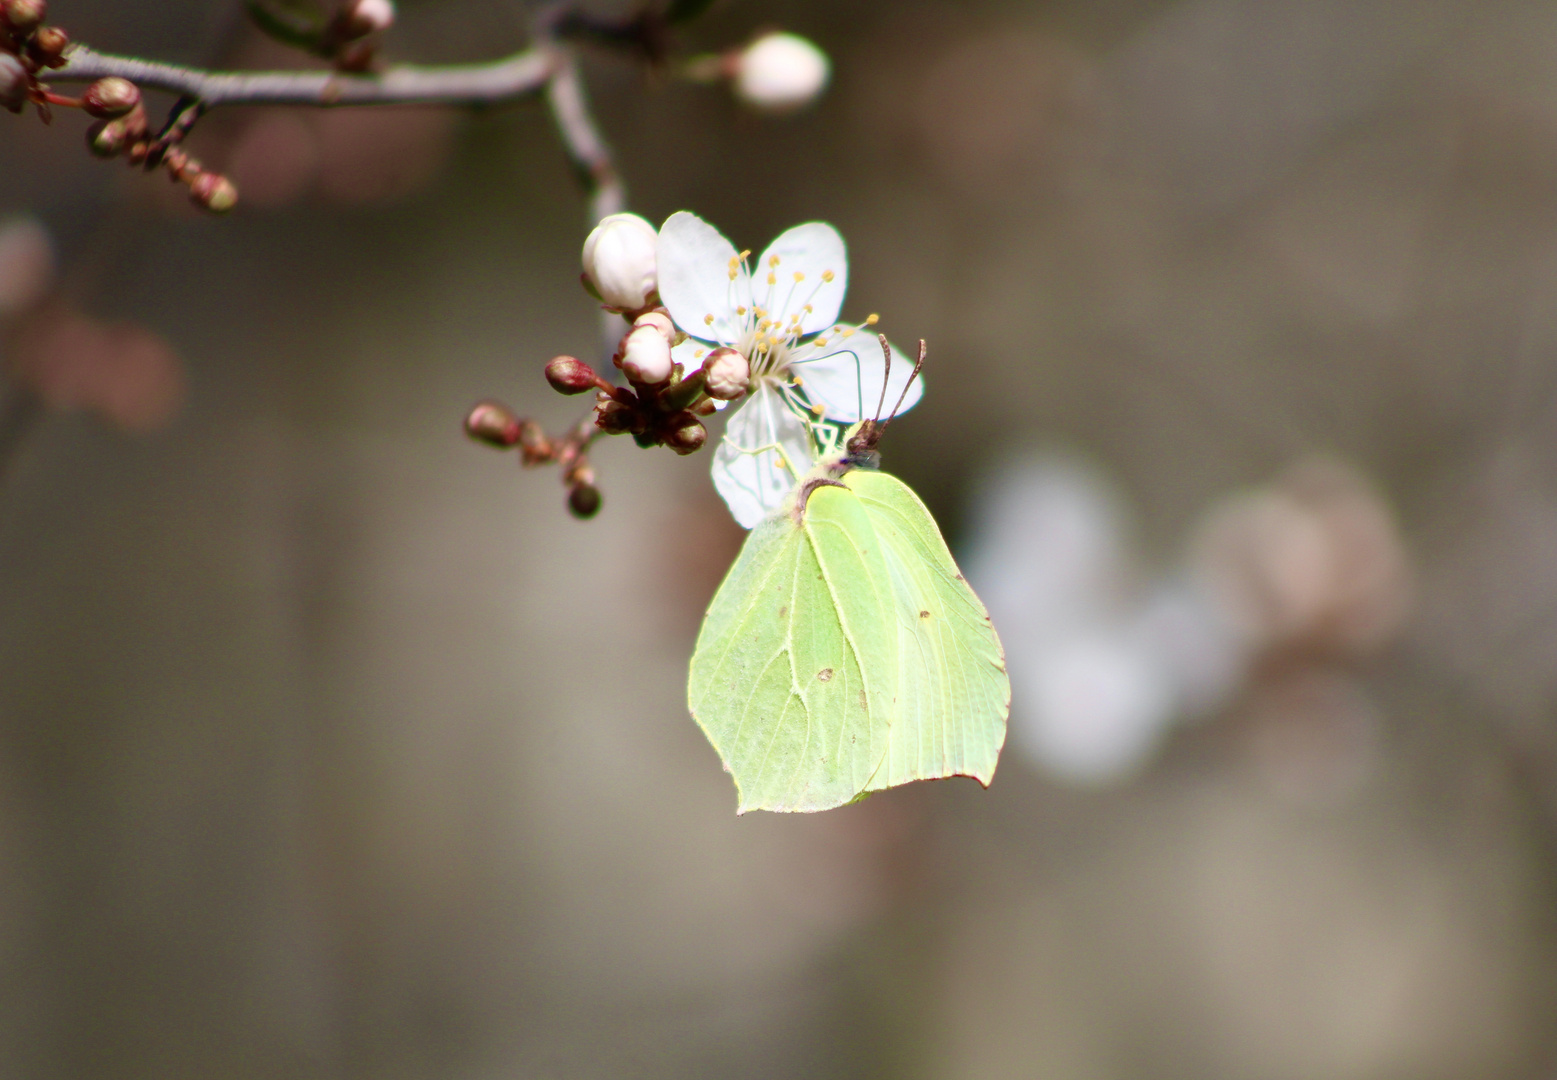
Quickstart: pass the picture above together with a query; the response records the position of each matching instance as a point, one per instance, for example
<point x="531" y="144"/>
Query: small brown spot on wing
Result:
<point x="783" y="611"/>
<point x="924" y="614"/>
<point x="825" y="674"/>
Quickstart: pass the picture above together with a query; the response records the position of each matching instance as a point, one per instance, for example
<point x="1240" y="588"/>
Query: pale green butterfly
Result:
<point x="844" y="653"/>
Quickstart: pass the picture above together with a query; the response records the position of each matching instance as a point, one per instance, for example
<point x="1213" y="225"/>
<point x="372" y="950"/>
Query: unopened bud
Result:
<point x="24" y="15"/>
<point x="614" y="418"/>
<point x="110" y="98"/>
<point x="107" y="138"/>
<point x="780" y="73"/>
<point x="533" y="442"/>
<point x="619" y="261"/>
<point x="493" y="423"/>
<point x="570" y="375"/>
<point x="214" y="192"/>
<point x="728" y="374"/>
<point x="584" y="500"/>
<point x="661" y="322"/>
<point x="13" y="83"/>
<point x="646" y="356"/>
<point x="50" y="43"/>
<point x="359" y="18"/>
<point x="688" y="439"/>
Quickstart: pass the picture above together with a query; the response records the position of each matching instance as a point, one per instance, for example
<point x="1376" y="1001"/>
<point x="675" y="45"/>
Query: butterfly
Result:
<point x="844" y="652"/>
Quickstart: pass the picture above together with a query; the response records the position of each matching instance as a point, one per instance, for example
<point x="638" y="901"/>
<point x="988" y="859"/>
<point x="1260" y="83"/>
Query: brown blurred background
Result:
<point x="330" y="746"/>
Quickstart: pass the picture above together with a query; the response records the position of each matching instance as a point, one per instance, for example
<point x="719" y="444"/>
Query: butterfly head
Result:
<point x="860" y="444"/>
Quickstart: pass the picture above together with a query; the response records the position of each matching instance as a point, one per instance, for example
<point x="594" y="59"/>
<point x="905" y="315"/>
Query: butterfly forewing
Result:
<point x="785" y="672"/>
<point x="953" y="695"/>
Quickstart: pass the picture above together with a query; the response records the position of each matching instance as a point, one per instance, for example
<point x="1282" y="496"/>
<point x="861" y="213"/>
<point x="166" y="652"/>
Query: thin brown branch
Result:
<point x="584" y="143"/>
<point x="523" y="74"/>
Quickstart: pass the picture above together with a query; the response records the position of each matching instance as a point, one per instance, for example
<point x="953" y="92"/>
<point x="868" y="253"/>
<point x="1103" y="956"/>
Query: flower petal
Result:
<point x="694" y="277"/>
<point x="845" y="378"/>
<point x="765" y="450"/>
<point x="812" y="250"/>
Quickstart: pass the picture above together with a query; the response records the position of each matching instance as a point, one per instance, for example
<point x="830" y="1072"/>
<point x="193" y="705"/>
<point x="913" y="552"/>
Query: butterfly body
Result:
<point x="844" y="653"/>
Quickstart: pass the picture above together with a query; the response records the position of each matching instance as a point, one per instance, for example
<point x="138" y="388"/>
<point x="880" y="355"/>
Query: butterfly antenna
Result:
<point x="886" y="375"/>
<point x="923" y="348"/>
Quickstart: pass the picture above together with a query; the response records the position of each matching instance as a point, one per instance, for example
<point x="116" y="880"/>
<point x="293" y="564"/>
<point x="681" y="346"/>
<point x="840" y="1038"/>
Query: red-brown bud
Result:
<point x="533" y="443"/>
<point x="570" y="375"/>
<point x="49" y="45"/>
<point x="107" y="138"/>
<point x="493" y="423"/>
<point x="214" y="192"/>
<point x="614" y="418"/>
<point x="110" y="98"/>
<point x="584" y="500"/>
<point x="24" y="16"/>
<point x="687" y="439"/>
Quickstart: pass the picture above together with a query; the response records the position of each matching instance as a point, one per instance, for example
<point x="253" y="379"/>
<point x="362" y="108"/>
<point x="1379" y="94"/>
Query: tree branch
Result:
<point x="523" y="74"/>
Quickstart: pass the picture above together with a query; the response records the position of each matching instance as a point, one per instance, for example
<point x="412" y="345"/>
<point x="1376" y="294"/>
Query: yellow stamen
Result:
<point x="807" y="309"/>
<point x="818" y="408"/>
<point x="798" y="381"/>
<point x="799" y="277"/>
<point x="773" y="260"/>
<point x="698" y="355"/>
<point x="827" y="276"/>
<point x="772" y="278"/>
<point x="848" y="333"/>
<point x="708" y="320"/>
<point x="743" y="254"/>
<point x="740" y="311"/>
<point x="872" y="320"/>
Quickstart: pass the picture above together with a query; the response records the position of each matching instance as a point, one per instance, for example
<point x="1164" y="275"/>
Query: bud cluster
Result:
<point x="496" y="425"/>
<point x="27" y="46"/>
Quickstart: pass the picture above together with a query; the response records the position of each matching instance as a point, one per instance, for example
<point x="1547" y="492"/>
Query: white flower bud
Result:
<point x="661" y="322"/>
<point x="646" y="356"/>
<point x="619" y="260"/>
<point x="365" y="17"/>
<point x="728" y="374"/>
<point x="781" y="72"/>
<point x="26" y="265"/>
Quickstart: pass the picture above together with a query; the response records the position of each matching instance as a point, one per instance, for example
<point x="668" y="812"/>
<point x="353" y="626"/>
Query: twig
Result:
<point x="523" y="74"/>
<point x="583" y="141"/>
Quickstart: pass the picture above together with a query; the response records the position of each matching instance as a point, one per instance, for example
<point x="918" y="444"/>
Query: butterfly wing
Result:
<point x="953" y="692"/>
<point x="792" y="677"/>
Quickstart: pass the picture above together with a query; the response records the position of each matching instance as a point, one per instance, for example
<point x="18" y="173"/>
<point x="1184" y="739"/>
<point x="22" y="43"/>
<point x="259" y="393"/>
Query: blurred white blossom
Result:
<point x="1104" y="661"/>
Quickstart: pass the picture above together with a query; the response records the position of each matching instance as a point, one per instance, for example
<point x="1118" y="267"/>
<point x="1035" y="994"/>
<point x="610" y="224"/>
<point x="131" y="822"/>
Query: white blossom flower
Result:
<point x="780" y="313"/>
<point x="619" y="258"/>
<point x="781" y="72"/>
